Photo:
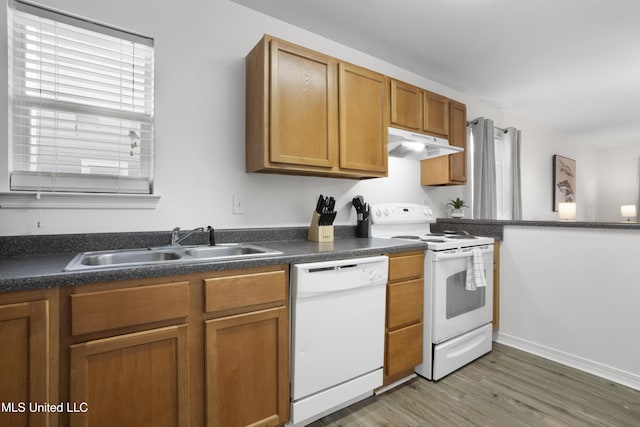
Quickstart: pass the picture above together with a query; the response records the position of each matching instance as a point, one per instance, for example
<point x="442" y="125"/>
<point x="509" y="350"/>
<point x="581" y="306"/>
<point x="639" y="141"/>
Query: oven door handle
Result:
<point x="457" y="255"/>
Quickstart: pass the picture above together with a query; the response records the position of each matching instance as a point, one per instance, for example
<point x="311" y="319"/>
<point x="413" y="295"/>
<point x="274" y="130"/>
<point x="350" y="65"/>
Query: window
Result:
<point x="81" y="105"/>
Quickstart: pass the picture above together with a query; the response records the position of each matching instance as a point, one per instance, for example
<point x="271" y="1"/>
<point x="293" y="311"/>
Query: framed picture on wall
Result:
<point x="564" y="180"/>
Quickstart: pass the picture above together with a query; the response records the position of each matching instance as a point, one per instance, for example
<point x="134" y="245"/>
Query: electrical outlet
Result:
<point x="239" y="204"/>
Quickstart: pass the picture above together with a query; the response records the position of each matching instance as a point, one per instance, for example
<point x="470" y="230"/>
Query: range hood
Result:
<point x="416" y="146"/>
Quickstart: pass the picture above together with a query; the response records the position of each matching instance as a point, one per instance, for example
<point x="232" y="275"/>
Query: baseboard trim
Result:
<point x="613" y="374"/>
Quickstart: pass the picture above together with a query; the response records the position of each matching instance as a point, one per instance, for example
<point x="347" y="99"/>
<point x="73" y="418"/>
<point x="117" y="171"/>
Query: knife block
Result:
<point x="362" y="228"/>
<point x="319" y="233"/>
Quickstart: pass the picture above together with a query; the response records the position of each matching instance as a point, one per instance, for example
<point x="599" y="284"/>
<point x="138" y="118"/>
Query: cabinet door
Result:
<point x="139" y="379"/>
<point x="436" y="114"/>
<point x="24" y="362"/>
<point x="247" y="369"/>
<point x="458" y="137"/>
<point x="406" y="105"/>
<point x="302" y="107"/>
<point x="363" y="133"/>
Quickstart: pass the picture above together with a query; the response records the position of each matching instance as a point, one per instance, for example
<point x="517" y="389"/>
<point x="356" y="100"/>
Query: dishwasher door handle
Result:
<point x="315" y="291"/>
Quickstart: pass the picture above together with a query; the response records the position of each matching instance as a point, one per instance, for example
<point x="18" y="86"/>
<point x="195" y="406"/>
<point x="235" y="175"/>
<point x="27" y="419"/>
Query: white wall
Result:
<point x="572" y="294"/>
<point x="619" y="180"/>
<point x="200" y="91"/>
<point x="538" y="147"/>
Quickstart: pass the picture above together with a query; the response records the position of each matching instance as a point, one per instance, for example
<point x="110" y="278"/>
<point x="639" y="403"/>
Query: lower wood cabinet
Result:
<point x="404" y="350"/>
<point x="247" y="349"/>
<point x="138" y="379"/>
<point x="192" y="350"/>
<point x="247" y="369"/>
<point x="27" y="353"/>
<point x="404" y="327"/>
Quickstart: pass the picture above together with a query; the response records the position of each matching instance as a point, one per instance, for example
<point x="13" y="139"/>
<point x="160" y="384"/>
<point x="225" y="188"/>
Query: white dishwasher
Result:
<point x="337" y="334"/>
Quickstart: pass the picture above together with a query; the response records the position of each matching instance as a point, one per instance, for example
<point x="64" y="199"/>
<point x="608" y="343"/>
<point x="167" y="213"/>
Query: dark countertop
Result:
<point x="494" y="227"/>
<point x="538" y="223"/>
<point x="44" y="270"/>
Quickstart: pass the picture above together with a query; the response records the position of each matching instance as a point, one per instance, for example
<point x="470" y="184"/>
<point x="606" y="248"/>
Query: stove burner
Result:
<point x="460" y="236"/>
<point x="433" y="240"/>
<point x="406" y="237"/>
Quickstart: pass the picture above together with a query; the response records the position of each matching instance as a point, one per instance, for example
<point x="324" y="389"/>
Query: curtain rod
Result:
<point x="475" y="122"/>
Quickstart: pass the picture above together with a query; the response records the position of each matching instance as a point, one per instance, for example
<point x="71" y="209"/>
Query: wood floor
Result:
<point x="506" y="387"/>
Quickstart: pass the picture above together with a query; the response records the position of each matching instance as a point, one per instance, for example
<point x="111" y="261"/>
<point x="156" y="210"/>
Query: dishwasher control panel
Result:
<point x="318" y="278"/>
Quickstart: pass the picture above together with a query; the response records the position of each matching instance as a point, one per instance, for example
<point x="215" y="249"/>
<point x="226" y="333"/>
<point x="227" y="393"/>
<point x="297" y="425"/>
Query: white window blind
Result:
<point x="81" y="104"/>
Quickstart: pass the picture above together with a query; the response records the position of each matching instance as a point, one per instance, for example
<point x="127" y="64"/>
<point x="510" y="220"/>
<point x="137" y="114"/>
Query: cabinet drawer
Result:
<point x="247" y="290"/>
<point x="104" y="310"/>
<point x="404" y="303"/>
<point x="404" y="349"/>
<point x="406" y="266"/>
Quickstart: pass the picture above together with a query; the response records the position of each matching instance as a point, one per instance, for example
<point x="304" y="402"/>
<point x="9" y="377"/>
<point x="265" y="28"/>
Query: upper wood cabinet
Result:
<point x="418" y="110"/>
<point x="302" y="106"/>
<point x="405" y="105"/>
<point x="451" y="169"/>
<point x="311" y="114"/>
<point x="435" y="118"/>
<point x="363" y="130"/>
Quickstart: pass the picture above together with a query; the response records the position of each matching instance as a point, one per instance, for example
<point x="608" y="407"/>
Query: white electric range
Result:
<point x="410" y="221"/>
<point x="457" y="313"/>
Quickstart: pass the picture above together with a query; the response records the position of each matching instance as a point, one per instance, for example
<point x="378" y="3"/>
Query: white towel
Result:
<point x="475" y="271"/>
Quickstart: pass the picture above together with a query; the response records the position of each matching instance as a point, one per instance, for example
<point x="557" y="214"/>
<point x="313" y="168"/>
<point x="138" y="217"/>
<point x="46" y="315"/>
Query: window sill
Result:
<point x="52" y="200"/>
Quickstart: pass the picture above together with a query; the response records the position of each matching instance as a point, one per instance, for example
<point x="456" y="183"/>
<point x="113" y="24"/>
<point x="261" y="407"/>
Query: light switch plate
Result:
<point x="239" y="204"/>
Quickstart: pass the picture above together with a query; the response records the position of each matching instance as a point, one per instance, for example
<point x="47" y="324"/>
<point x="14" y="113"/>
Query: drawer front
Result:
<point x="403" y="350"/>
<point x="405" y="267"/>
<point x="245" y="291"/>
<point x="404" y="303"/>
<point x="104" y="310"/>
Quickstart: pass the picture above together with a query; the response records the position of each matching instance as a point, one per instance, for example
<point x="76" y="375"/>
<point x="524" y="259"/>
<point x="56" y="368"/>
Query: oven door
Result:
<point x="455" y="309"/>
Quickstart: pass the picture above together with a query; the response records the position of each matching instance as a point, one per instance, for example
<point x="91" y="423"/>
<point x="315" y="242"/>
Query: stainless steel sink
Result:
<point x="170" y="254"/>
<point x="128" y="257"/>
<point x="227" y="251"/>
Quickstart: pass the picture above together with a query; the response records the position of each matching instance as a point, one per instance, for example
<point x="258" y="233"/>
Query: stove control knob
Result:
<point x="385" y="212"/>
<point x="378" y="212"/>
<point x="372" y="275"/>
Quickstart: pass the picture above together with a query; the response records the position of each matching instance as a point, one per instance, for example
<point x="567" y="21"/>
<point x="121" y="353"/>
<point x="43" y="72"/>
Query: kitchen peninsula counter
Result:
<point x="36" y="262"/>
<point x="568" y="291"/>
<point x="495" y="228"/>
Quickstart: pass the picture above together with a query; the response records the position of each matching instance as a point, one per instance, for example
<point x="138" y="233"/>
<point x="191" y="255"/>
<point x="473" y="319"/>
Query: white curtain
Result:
<point x="496" y="171"/>
<point x="515" y="138"/>
<point x="484" y="172"/>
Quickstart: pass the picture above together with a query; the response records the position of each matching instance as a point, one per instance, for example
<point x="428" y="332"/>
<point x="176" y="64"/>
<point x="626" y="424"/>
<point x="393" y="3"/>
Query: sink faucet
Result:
<point x="175" y="235"/>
